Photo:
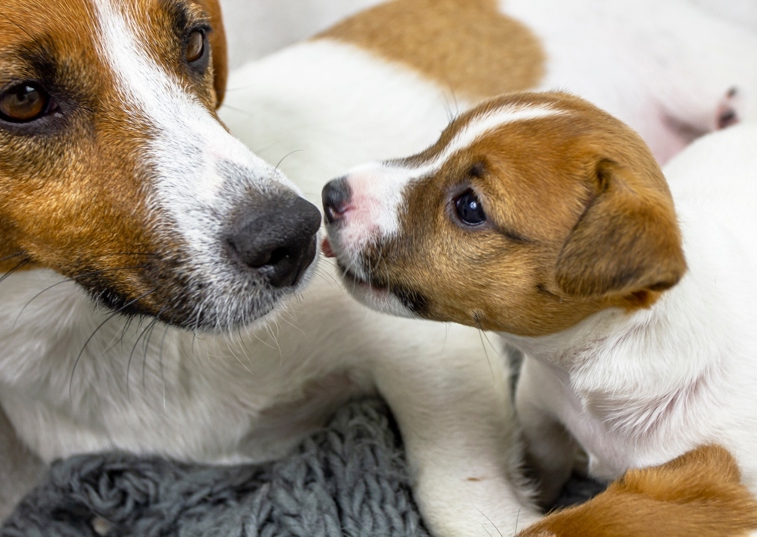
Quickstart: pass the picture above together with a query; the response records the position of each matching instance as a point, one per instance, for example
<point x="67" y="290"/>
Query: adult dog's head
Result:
<point x="116" y="172"/>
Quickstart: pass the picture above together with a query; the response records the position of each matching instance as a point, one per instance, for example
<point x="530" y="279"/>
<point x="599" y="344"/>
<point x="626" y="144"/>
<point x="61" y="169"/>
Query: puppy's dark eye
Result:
<point x="469" y="209"/>
<point x="194" y="49"/>
<point x="24" y="103"/>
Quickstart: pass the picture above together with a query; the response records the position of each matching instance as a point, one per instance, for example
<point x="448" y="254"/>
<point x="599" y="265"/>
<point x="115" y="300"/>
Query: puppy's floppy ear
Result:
<point x="626" y="241"/>
<point x="219" y="49"/>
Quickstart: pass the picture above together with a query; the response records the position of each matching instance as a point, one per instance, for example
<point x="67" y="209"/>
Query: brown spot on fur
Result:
<point x="699" y="493"/>
<point x="468" y="46"/>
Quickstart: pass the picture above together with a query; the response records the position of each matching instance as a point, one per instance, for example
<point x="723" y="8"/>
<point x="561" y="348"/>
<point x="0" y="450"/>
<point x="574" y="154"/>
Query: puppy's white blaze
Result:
<point x="189" y="144"/>
<point x="377" y="193"/>
<point x="481" y="126"/>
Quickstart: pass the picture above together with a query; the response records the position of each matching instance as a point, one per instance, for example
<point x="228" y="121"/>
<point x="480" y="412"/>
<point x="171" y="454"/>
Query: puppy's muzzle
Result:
<point x="279" y="242"/>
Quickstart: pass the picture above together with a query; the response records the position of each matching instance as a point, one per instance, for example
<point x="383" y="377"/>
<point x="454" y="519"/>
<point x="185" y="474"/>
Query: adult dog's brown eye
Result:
<point x="195" y="48"/>
<point x="24" y="103"/>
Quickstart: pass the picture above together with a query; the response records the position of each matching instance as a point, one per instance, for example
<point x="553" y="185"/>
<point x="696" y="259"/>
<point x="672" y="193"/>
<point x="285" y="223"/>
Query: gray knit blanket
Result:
<point x="349" y="479"/>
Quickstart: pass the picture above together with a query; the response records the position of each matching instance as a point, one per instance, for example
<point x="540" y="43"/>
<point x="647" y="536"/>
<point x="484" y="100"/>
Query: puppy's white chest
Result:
<point x="608" y="457"/>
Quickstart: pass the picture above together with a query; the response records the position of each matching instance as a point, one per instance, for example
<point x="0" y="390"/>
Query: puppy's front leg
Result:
<point x="550" y="448"/>
<point x="457" y="422"/>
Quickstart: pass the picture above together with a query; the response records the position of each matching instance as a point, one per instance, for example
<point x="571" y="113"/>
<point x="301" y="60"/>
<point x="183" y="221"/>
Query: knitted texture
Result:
<point x="349" y="479"/>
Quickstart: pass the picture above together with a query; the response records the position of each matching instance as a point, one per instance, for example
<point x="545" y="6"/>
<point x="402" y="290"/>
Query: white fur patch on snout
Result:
<point x="376" y="194"/>
<point x="200" y="172"/>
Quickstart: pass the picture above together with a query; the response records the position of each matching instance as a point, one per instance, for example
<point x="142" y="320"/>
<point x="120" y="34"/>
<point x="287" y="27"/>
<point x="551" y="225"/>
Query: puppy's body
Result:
<point x="681" y="373"/>
<point x="547" y="221"/>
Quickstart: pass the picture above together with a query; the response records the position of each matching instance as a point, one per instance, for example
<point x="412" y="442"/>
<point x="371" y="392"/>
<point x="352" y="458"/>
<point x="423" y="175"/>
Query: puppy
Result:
<point x="547" y="220"/>
<point x="699" y="493"/>
<point x="158" y="292"/>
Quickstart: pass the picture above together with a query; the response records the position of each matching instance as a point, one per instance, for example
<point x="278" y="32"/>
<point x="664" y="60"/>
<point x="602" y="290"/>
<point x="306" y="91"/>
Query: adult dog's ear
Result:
<point x="627" y="241"/>
<point x="218" y="48"/>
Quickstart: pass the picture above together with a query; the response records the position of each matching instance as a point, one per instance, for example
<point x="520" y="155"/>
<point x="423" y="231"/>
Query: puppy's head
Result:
<point x="530" y="213"/>
<point x="116" y="172"/>
<point x="699" y="493"/>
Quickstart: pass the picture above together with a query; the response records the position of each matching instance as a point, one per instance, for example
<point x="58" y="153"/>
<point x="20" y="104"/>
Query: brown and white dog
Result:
<point x="547" y="220"/>
<point x="157" y="293"/>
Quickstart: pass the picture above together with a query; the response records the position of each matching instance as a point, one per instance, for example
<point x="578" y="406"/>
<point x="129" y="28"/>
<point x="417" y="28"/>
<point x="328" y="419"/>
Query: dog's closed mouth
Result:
<point x="353" y="280"/>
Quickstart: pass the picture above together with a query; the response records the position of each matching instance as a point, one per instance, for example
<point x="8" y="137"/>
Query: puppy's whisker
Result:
<point x="451" y="114"/>
<point x="483" y="345"/>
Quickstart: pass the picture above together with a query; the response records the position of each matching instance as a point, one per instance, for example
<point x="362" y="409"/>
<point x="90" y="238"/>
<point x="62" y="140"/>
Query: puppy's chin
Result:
<point x="378" y="298"/>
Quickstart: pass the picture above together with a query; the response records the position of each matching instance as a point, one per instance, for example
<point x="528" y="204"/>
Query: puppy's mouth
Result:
<point x="389" y="297"/>
<point x="350" y="277"/>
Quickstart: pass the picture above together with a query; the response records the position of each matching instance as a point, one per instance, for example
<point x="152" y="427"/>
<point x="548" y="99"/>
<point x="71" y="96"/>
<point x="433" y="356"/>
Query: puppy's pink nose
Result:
<point x="336" y="198"/>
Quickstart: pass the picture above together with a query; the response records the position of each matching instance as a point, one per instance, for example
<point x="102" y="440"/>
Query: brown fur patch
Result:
<point x="73" y="185"/>
<point x="467" y="46"/>
<point x="531" y="269"/>
<point x="699" y="493"/>
<point x="219" y="47"/>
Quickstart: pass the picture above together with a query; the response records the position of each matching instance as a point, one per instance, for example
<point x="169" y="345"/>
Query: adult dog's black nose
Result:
<point x="278" y="240"/>
<point x="335" y="197"/>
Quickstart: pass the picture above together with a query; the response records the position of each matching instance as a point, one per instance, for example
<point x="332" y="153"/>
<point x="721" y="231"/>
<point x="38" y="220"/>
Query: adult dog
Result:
<point x="159" y="292"/>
